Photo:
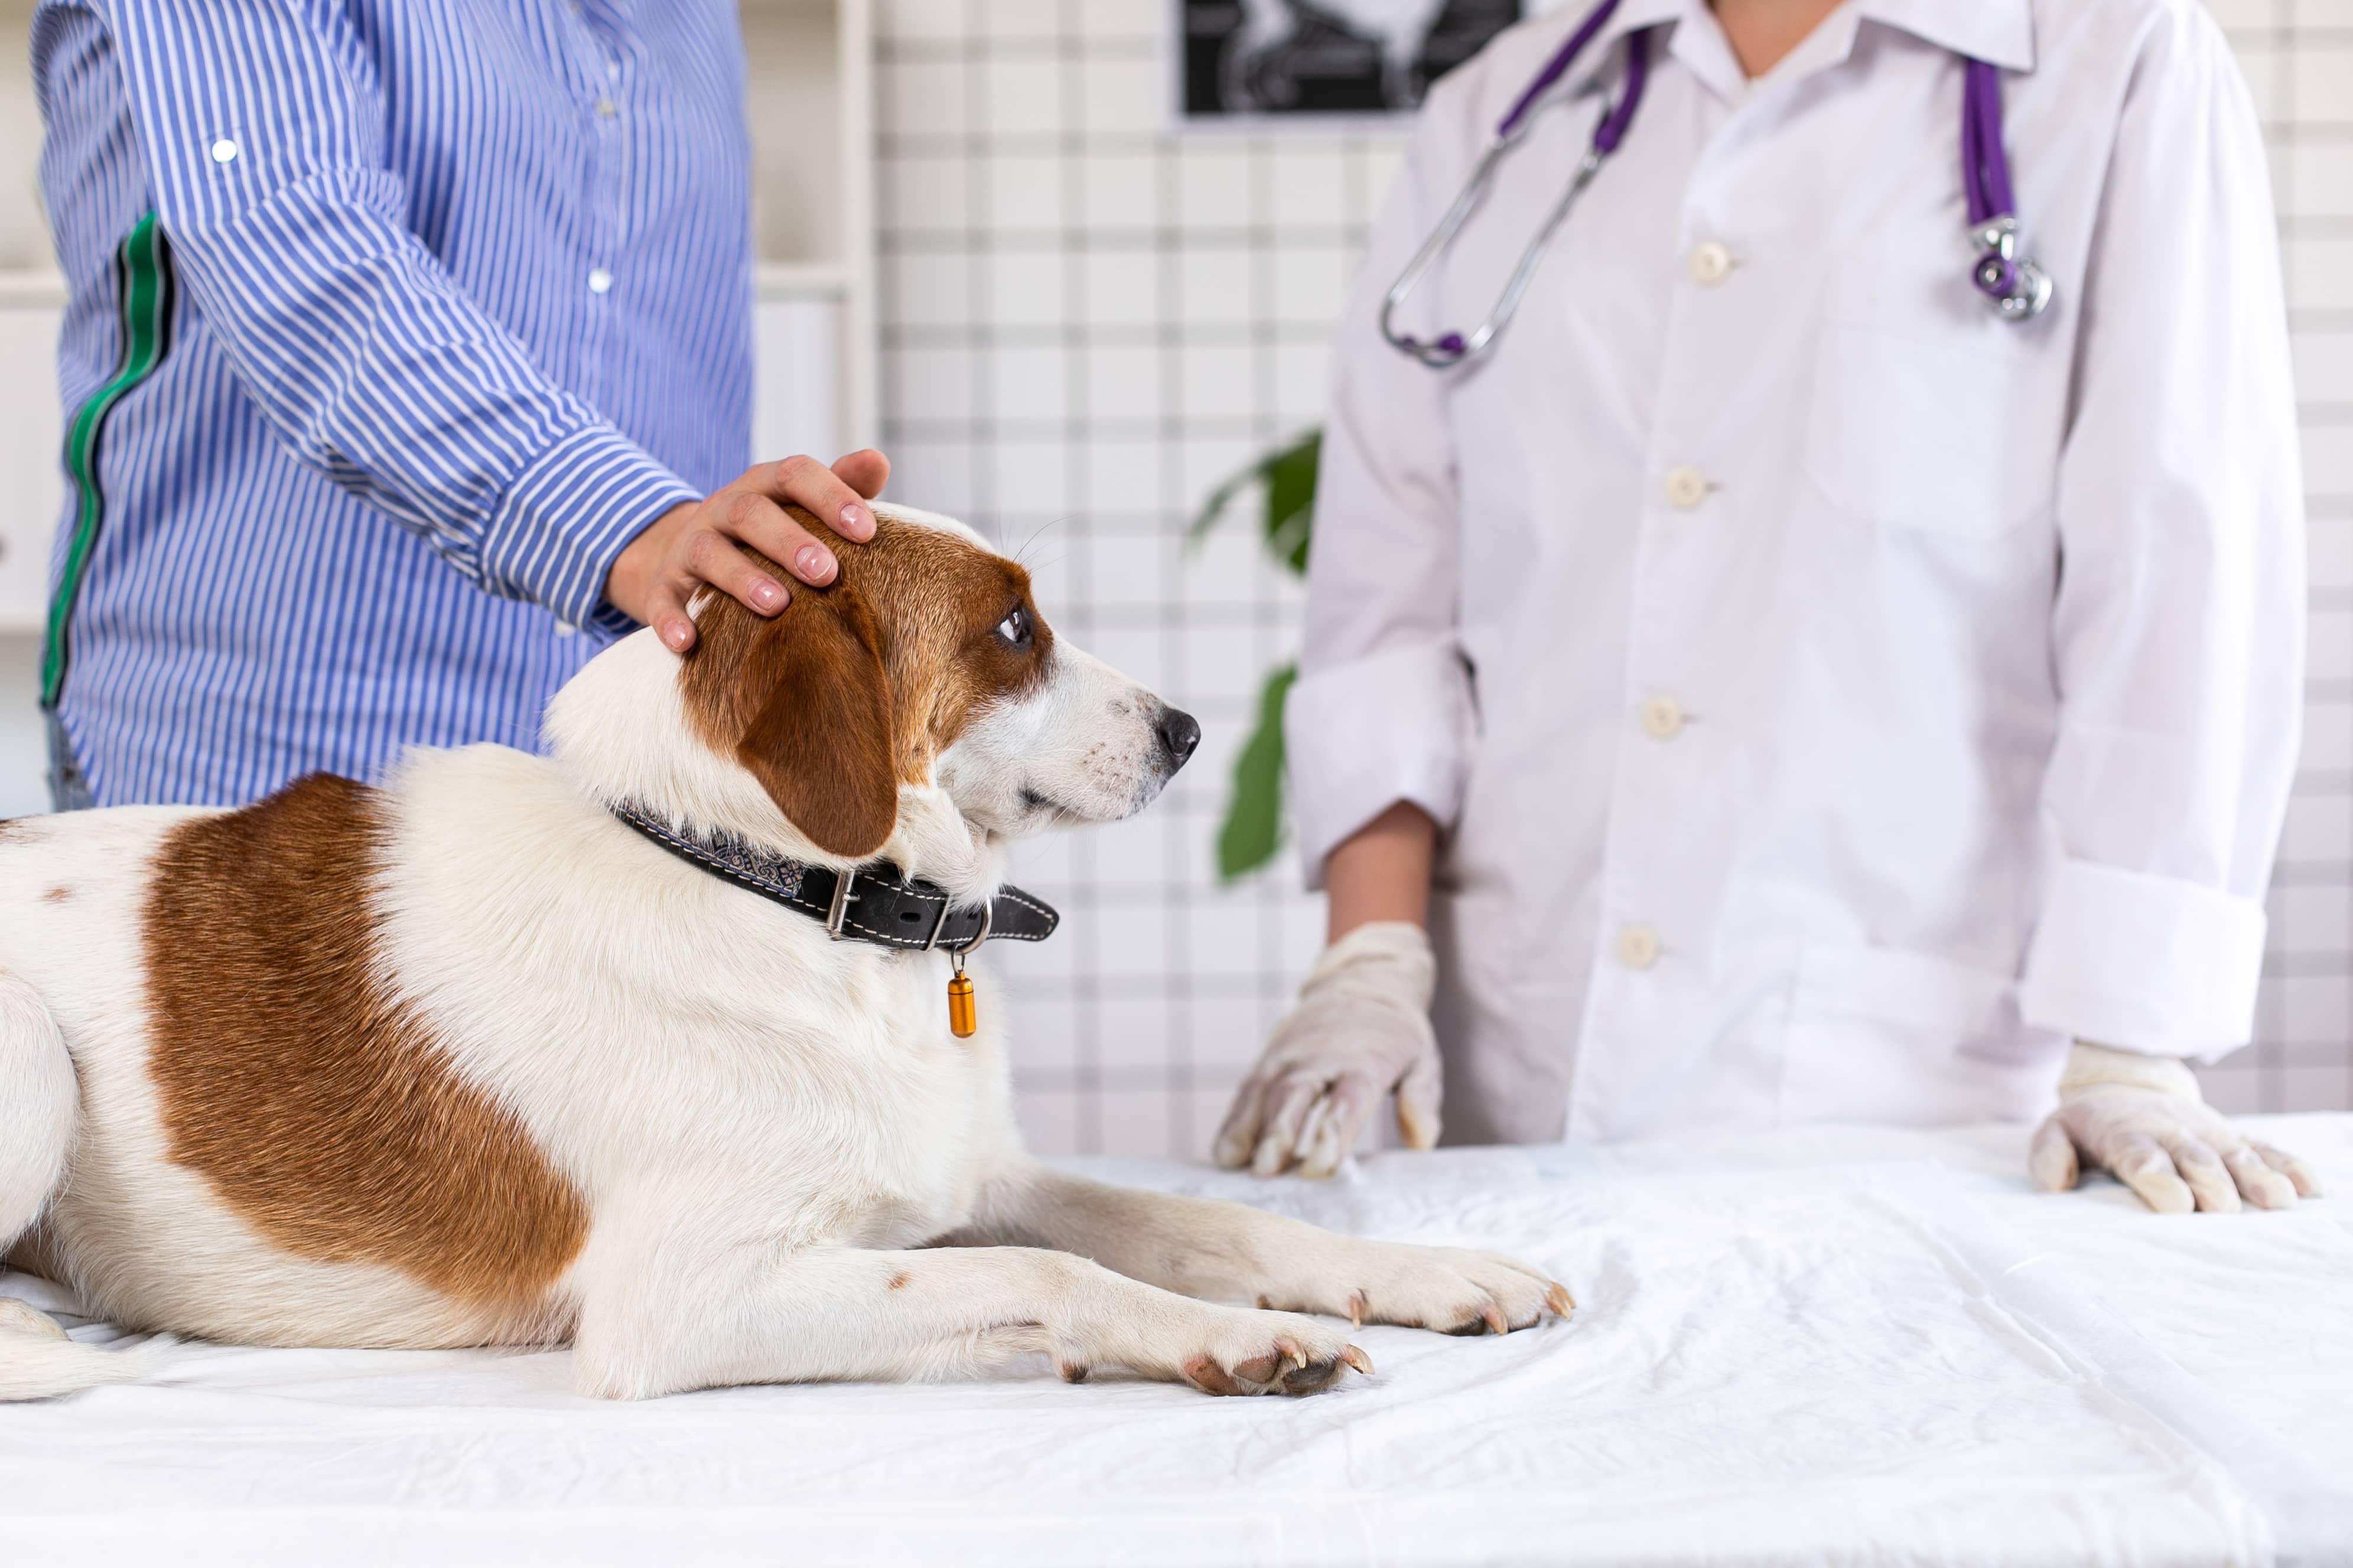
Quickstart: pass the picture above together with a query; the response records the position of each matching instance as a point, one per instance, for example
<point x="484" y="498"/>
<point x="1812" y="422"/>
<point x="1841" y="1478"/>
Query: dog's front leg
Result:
<point x="826" y="1313"/>
<point x="1222" y="1251"/>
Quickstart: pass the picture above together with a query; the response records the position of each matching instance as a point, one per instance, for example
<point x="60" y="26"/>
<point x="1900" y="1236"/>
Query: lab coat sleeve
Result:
<point x="263" y="129"/>
<point x="1382" y="711"/>
<point x="2179" y="622"/>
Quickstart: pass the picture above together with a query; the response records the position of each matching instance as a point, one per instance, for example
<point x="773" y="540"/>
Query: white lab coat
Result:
<point x="1834" y="697"/>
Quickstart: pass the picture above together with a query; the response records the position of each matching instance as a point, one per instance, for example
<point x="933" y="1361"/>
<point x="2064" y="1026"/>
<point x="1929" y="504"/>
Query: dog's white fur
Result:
<point x="773" y="1134"/>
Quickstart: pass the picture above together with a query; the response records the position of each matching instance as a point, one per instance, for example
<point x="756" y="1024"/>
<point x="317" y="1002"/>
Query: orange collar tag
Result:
<point x="964" y="1013"/>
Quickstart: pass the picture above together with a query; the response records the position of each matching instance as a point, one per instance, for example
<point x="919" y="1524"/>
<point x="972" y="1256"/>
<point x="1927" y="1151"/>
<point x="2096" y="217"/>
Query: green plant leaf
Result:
<point x="1253" y="825"/>
<point x="1290" y="499"/>
<point x="1287" y="478"/>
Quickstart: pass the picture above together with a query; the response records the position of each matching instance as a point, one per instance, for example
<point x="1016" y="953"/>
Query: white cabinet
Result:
<point x="32" y="478"/>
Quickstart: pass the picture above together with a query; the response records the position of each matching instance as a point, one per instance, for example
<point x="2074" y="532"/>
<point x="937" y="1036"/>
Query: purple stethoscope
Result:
<point x="2016" y="288"/>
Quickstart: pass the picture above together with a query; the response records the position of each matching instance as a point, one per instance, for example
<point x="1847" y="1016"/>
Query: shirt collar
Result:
<point x="1998" y="32"/>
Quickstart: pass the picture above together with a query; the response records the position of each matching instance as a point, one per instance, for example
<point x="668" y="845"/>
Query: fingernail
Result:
<point x="676" y="633"/>
<point x="855" y="519"/>
<point x="813" y="562"/>
<point x="767" y="595"/>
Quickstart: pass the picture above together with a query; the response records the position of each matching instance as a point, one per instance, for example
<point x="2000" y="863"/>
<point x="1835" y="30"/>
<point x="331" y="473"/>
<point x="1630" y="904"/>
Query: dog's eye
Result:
<point x="1015" y="629"/>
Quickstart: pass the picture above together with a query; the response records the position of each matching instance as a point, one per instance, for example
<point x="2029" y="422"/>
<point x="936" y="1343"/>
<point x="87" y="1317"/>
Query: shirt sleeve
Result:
<point x="2179" y="622"/>
<point x="1382" y="711"/>
<point x="263" y="129"/>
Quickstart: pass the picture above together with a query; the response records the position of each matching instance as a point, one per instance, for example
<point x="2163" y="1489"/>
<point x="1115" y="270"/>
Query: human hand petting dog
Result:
<point x="693" y="544"/>
<point x="2143" y="1120"/>
<point x="1360" y="1028"/>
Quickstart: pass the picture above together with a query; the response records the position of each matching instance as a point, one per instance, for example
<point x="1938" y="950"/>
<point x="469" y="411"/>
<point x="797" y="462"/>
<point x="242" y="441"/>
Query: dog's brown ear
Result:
<point x="819" y="738"/>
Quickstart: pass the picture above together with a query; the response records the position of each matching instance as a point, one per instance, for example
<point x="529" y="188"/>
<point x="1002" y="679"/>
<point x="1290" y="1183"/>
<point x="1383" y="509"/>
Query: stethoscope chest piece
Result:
<point x="2017" y="288"/>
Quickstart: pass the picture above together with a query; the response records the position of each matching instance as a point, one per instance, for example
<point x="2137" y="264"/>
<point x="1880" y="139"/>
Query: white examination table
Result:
<point x="1843" y="1346"/>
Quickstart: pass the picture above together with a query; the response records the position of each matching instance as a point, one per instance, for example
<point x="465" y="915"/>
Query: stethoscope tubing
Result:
<point x="2014" y="286"/>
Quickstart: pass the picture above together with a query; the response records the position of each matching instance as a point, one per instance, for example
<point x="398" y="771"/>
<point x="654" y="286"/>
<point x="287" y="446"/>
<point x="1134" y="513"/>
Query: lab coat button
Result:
<point x="1637" y="947"/>
<point x="224" y="151"/>
<point x="1662" y="717"/>
<point x="607" y="109"/>
<point x="1686" y="487"/>
<point x="1709" y="262"/>
<point x="599" y="281"/>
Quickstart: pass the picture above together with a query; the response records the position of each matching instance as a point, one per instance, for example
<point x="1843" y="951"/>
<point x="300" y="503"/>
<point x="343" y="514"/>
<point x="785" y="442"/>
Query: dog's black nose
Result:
<point x="1180" y="732"/>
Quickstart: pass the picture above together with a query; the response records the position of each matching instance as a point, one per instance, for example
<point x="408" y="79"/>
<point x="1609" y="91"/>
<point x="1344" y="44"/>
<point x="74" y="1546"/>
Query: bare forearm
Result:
<point x="1382" y="872"/>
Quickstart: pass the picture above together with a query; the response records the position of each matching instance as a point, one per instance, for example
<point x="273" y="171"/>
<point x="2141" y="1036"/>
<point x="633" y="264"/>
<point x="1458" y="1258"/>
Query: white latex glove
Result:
<point x="1360" y="1028"/>
<point x="2142" y="1120"/>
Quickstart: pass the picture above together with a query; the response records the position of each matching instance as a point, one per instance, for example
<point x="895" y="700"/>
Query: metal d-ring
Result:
<point x="987" y="914"/>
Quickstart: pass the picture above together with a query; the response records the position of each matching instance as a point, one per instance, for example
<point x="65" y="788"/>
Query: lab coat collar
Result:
<point x="1999" y="32"/>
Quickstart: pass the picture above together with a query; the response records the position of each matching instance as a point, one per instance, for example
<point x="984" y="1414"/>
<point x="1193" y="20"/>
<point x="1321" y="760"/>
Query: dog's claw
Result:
<point x="1357" y="1306"/>
<point x="1357" y="1359"/>
<point x="1559" y="1300"/>
<point x="1493" y="1317"/>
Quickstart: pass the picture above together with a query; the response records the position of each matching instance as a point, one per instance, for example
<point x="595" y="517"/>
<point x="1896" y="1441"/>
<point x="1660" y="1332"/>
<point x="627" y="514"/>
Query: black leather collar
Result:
<point x="879" y="904"/>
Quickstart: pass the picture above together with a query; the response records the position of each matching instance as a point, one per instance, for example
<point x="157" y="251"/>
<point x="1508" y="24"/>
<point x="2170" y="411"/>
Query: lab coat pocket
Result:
<point x="1945" y="426"/>
<point x="1885" y="1035"/>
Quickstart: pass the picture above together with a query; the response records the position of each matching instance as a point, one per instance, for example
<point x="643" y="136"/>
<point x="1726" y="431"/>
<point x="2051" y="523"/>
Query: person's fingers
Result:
<point x="709" y="557"/>
<point x="1279" y="1140"/>
<point x="1238" y="1135"/>
<point x="2137" y="1161"/>
<point x="666" y="613"/>
<point x="1339" y="1117"/>
<point x="1416" y="1103"/>
<point x="822" y="493"/>
<point x="2198" y="1164"/>
<point x="865" y="470"/>
<point x="2257" y="1183"/>
<point x="2050" y="1157"/>
<point x="2307" y="1186"/>
<point x="778" y="535"/>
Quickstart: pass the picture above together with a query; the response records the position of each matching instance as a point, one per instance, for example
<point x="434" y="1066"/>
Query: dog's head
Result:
<point x="924" y="663"/>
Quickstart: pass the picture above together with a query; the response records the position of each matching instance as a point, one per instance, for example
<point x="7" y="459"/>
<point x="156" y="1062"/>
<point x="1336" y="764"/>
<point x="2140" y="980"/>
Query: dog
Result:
<point x="512" y="1051"/>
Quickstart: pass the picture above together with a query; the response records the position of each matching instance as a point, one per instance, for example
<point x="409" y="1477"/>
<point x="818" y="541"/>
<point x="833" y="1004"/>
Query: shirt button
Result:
<point x="606" y="108"/>
<point x="599" y="281"/>
<point x="1637" y="947"/>
<point x="224" y="151"/>
<point x="1662" y="717"/>
<point x="1709" y="262"/>
<point x="1686" y="487"/>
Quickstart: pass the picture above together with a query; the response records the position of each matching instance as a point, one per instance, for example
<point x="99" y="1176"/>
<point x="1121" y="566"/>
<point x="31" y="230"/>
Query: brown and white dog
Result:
<point x="465" y="1060"/>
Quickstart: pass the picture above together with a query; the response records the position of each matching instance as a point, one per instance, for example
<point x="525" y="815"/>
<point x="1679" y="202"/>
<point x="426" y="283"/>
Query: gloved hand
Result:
<point x="2143" y="1119"/>
<point x="1360" y="1028"/>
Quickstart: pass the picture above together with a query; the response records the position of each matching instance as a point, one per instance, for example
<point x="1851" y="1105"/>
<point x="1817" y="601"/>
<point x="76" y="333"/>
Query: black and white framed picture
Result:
<point x="1277" y="60"/>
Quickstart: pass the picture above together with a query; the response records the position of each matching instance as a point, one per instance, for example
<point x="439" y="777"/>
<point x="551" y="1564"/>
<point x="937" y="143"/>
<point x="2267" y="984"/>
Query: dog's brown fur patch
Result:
<point x="318" y="1104"/>
<point x="899" y="1281"/>
<point x="57" y="895"/>
<point x="854" y="688"/>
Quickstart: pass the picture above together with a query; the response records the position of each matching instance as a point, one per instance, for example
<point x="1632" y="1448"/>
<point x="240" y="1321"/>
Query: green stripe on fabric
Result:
<point x="142" y="272"/>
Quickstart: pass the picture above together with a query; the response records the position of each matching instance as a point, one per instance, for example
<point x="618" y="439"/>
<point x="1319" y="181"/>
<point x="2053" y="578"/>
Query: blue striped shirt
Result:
<point x="452" y="298"/>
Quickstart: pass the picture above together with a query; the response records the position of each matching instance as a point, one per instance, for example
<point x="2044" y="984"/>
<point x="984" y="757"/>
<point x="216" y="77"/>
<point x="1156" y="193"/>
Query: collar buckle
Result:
<point x="839" y="908"/>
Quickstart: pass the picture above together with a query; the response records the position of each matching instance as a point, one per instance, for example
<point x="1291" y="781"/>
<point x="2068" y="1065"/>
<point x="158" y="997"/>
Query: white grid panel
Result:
<point x="2298" y="60"/>
<point x="1087" y="321"/>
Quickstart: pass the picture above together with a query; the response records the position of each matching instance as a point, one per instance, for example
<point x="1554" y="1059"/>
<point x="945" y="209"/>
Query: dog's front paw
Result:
<point x="1271" y="1352"/>
<point x="1232" y="1350"/>
<point x="1452" y="1290"/>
